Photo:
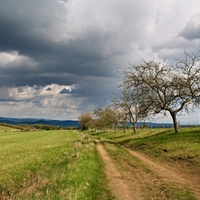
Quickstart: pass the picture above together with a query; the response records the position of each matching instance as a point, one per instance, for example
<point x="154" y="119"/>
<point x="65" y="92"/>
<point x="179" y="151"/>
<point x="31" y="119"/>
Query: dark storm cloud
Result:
<point x="78" y="57"/>
<point x="39" y="31"/>
<point x="25" y="28"/>
<point x="19" y="22"/>
<point x="60" y="54"/>
<point x="15" y="37"/>
<point x="48" y="89"/>
<point x="93" y="91"/>
<point x="36" y="79"/>
<point x="191" y="31"/>
<point x="64" y="91"/>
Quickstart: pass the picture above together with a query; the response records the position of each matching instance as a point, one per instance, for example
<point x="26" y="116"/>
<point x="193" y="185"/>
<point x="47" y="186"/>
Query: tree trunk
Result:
<point x="124" y="129"/>
<point x="176" y="126"/>
<point x="124" y="126"/>
<point x="134" y="128"/>
<point x="115" y="127"/>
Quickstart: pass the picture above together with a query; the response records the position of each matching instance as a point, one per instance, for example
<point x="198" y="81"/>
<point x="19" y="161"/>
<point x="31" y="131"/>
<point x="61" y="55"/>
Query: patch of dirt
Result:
<point x="130" y="182"/>
<point x="117" y="183"/>
<point x="170" y="174"/>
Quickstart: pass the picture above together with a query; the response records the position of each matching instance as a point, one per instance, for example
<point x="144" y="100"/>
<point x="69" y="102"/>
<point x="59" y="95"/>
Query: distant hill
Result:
<point x="68" y="123"/>
<point x="62" y="123"/>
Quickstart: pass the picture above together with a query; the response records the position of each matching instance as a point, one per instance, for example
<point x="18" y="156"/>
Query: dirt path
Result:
<point x="169" y="174"/>
<point x="127" y="186"/>
<point x="117" y="184"/>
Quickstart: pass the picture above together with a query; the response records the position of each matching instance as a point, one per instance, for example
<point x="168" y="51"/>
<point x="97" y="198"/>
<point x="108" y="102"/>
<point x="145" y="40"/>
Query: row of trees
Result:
<point x="151" y="88"/>
<point x="101" y="118"/>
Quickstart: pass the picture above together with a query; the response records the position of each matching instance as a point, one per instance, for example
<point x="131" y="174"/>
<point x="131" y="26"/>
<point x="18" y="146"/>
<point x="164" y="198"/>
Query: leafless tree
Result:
<point x="118" y="116"/>
<point x="129" y="101"/>
<point x="163" y="87"/>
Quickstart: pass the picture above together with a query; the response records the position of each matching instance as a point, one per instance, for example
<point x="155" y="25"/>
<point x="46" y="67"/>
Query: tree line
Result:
<point x="148" y="89"/>
<point x="35" y="127"/>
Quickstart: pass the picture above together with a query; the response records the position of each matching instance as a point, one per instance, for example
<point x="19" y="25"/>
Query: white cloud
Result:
<point x="12" y="58"/>
<point x="27" y="93"/>
<point x="30" y="102"/>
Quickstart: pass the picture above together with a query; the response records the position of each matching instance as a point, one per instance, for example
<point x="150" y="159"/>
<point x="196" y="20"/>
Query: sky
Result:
<point x="61" y="58"/>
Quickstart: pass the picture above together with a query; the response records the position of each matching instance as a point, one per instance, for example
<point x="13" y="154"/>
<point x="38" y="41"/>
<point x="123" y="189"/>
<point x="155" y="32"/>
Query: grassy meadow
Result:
<point x="43" y="165"/>
<point x="180" y="150"/>
<point x="161" y="144"/>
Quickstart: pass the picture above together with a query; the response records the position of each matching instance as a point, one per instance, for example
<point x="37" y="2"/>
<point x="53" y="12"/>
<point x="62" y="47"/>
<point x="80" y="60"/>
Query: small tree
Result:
<point x="117" y="116"/>
<point x="129" y="101"/>
<point x="101" y="121"/>
<point x="171" y="88"/>
<point x="86" y="120"/>
<point x="107" y="117"/>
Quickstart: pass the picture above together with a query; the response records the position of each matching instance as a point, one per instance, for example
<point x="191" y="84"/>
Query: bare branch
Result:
<point x="160" y="87"/>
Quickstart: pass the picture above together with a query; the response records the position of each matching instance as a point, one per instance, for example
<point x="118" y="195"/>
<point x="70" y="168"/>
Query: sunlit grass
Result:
<point x="184" y="145"/>
<point x="160" y="143"/>
<point x="43" y="165"/>
<point x="180" y="149"/>
<point x="151" y="190"/>
<point x="4" y="128"/>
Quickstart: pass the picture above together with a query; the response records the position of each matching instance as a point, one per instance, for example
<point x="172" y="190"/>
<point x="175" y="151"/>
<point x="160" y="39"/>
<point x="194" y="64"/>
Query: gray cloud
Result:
<point x="64" y="91"/>
<point x="48" y="89"/>
<point x="59" y="58"/>
<point x="191" y="31"/>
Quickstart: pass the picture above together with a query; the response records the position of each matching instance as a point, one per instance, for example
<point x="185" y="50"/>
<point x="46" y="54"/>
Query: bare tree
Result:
<point x="130" y="102"/>
<point x="163" y="87"/>
<point x="117" y="116"/>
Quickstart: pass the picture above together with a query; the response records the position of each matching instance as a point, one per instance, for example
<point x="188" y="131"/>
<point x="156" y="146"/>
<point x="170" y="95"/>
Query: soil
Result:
<point x="171" y="174"/>
<point x="117" y="184"/>
<point x="129" y="184"/>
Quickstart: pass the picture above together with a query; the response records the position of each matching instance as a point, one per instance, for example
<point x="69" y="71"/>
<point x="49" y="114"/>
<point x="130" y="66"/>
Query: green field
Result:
<point x="42" y="165"/>
<point x="162" y="144"/>
<point x="180" y="150"/>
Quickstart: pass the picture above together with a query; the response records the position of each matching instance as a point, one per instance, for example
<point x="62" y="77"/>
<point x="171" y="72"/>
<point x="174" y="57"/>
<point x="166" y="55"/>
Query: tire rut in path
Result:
<point x="117" y="184"/>
<point x="169" y="175"/>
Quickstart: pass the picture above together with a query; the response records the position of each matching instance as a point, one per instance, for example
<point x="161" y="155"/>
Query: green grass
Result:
<point x="161" y="143"/>
<point x="151" y="185"/>
<point x="40" y="165"/>
<point x="5" y="129"/>
<point x="183" y="146"/>
<point x="176" y="149"/>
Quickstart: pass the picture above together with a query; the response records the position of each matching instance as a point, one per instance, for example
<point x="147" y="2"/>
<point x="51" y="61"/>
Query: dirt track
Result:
<point x="117" y="184"/>
<point x="127" y="185"/>
<point x="169" y="174"/>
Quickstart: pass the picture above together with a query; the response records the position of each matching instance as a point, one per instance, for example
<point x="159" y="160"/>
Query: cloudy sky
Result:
<point x="59" y="58"/>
